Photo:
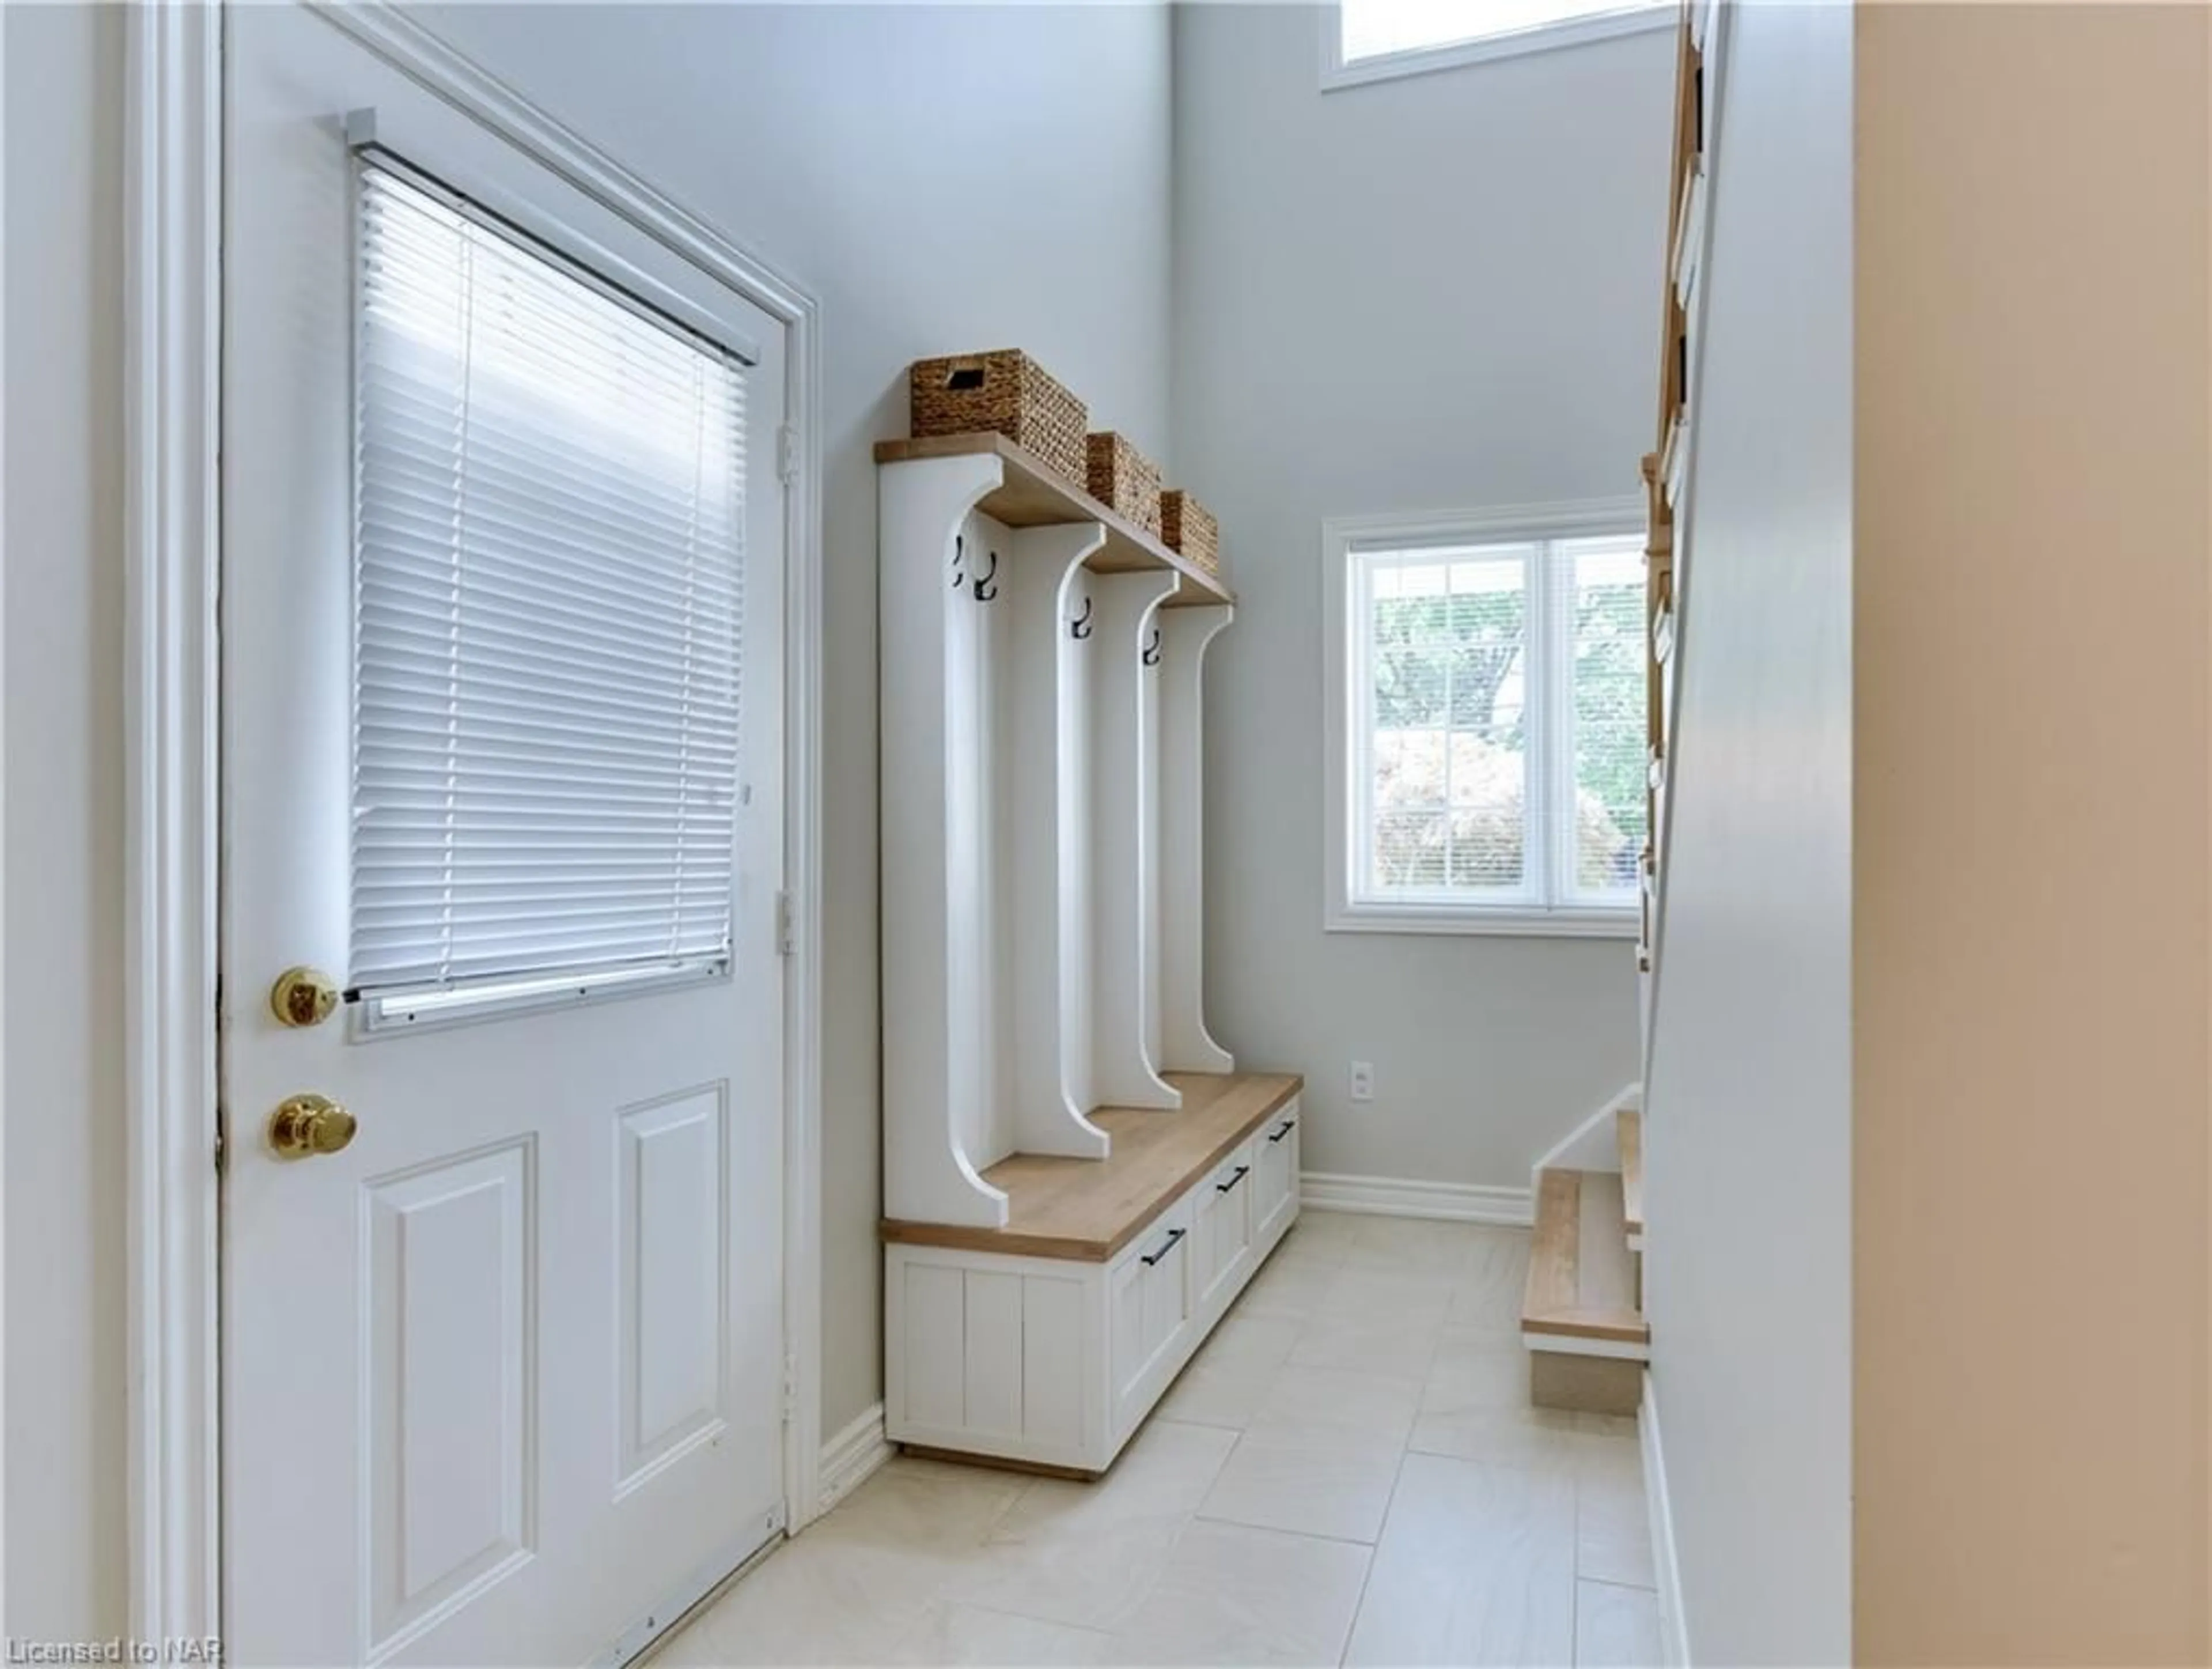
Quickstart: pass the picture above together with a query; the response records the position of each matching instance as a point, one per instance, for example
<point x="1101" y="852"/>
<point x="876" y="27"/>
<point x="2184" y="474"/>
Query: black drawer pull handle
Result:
<point x="1289" y="1125"/>
<point x="1243" y="1171"/>
<point x="1173" y="1235"/>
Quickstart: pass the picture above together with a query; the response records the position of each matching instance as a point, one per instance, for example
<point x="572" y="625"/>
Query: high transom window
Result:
<point x="1365" y="40"/>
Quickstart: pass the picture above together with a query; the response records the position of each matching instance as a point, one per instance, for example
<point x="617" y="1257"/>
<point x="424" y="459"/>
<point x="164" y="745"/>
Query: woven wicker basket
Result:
<point x="1188" y="526"/>
<point x="1124" y="478"/>
<point x="1007" y="391"/>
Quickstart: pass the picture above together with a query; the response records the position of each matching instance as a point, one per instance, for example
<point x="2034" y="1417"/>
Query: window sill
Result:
<point x="1620" y="924"/>
<point x="394" y="1013"/>
<point x="1336" y="74"/>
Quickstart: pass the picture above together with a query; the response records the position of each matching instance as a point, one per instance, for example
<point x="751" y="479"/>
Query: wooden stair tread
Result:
<point x="1581" y="1282"/>
<point x="1628" y="1127"/>
<point x="1033" y="495"/>
<point x="1089" y="1209"/>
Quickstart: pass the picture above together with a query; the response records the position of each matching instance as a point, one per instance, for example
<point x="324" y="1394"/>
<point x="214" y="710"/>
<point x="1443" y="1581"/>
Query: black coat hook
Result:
<point x="959" y="558"/>
<point x="1081" y="627"/>
<point x="985" y="590"/>
<point x="1152" y="649"/>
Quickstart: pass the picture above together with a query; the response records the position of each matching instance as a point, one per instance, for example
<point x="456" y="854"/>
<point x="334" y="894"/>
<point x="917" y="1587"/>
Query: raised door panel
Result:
<point x="672" y="1232"/>
<point x="451" y="1432"/>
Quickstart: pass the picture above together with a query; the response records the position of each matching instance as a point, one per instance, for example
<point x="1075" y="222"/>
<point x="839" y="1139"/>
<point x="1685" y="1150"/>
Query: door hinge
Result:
<point x="787" y="453"/>
<point x="790" y="1389"/>
<point x="785" y="934"/>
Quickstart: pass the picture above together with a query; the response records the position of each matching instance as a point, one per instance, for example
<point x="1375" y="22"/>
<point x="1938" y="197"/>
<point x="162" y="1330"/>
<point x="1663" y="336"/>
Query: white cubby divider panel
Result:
<point x="1042" y="773"/>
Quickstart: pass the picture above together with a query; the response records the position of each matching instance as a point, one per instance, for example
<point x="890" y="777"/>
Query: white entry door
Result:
<point x="502" y="757"/>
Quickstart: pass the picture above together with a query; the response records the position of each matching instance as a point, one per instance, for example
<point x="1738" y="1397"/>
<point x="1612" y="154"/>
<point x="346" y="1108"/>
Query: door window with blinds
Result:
<point x="1494" y="700"/>
<point x="547" y="622"/>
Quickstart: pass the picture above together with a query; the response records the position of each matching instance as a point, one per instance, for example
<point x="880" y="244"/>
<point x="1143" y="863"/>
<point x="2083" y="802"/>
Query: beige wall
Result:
<point x="2030" y="837"/>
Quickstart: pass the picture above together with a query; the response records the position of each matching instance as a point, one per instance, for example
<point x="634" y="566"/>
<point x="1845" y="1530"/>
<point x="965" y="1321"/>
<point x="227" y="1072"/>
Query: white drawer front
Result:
<point x="1149" y="1292"/>
<point x="1275" y="1174"/>
<point x="1221" y="1230"/>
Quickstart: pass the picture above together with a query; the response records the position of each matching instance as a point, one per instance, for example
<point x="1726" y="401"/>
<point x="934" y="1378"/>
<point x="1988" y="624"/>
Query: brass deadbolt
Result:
<point x="306" y="1125"/>
<point x="303" y="996"/>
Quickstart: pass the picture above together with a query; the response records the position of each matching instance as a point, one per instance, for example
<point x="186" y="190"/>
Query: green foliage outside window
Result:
<point x="1450" y="673"/>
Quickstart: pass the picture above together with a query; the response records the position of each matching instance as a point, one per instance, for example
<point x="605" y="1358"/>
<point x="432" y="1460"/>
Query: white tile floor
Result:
<point x="1349" y="1472"/>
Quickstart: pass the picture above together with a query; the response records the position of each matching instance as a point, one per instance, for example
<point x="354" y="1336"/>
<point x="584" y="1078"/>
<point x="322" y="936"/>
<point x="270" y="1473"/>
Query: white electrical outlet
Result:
<point x="1362" y="1080"/>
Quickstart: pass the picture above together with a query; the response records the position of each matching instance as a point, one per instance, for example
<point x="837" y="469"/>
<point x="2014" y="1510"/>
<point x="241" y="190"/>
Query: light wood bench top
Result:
<point x="1090" y="1209"/>
<point x="1581" y="1284"/>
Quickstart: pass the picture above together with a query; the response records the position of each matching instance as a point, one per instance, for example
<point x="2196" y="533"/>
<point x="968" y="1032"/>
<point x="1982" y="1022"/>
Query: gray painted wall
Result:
<point x="941" y="178"/>
<point x="1437" y="293"/>
<point x="1748" y="1138"/>
<point x="65" y="1434"/>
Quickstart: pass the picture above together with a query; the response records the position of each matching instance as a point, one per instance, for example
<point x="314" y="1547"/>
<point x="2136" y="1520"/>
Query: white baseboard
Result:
<point x="848" y="1457"/>
<point x="1389" y="1196"/>
<point x="1673" y="1632"/>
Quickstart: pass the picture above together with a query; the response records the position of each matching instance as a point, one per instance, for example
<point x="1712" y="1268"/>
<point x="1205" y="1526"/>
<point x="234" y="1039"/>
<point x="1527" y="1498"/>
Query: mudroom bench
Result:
<point x="1047" y="1341"/>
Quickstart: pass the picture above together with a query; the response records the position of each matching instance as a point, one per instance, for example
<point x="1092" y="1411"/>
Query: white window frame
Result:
<point x="1342" y="538"/>
<point x="1336" y="73"/>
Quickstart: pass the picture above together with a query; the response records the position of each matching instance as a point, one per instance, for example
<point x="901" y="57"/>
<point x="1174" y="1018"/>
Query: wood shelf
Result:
<point x="1033" y="496"/>
<point x="1088" y="1210"/>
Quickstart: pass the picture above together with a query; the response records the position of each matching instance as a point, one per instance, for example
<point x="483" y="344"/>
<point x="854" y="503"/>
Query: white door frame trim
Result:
<point x="3" y="796"/>
<point x="173" y="193"/>
<point x="173" y="207"/>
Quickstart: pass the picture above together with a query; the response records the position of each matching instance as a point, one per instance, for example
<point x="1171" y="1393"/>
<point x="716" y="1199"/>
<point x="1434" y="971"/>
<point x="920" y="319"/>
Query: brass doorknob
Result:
<point x="303" y="996"/>
<point x="306" y="1125"/>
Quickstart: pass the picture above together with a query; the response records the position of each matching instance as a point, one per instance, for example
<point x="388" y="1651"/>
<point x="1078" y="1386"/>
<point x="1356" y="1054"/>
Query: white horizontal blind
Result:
<point x="1449" y="724"/>
<point x="1604" y="763"/>
<point x="549" y="516"/>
